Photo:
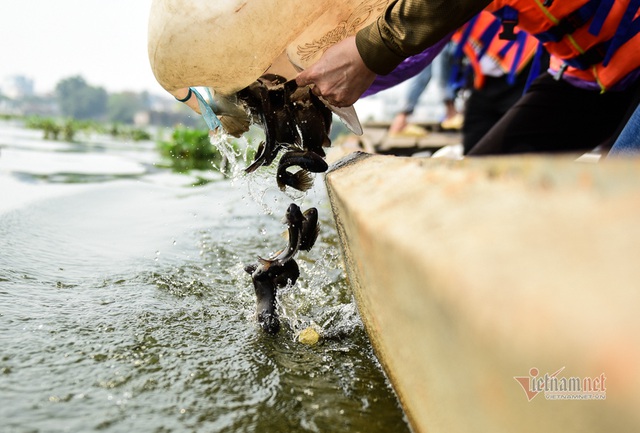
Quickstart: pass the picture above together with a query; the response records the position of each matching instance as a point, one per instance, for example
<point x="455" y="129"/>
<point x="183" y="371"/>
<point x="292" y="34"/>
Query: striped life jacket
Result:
<point x="594" y="41"/>
<point x="479" y="38"/>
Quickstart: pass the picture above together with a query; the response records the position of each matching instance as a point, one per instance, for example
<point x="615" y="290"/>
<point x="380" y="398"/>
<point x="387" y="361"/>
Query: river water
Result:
<point x="124" y="306"/>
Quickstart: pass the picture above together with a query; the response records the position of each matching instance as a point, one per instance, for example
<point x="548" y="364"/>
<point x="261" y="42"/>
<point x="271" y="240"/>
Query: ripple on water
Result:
<point x="124" y="306"/>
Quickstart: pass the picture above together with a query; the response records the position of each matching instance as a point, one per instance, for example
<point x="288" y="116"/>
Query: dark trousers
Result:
<point x="554" y="116"/>
<point x="486" y="106"/>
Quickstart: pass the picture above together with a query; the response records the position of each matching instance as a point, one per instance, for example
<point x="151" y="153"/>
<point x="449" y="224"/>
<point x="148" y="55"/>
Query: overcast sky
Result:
<point x="105" y="41"/>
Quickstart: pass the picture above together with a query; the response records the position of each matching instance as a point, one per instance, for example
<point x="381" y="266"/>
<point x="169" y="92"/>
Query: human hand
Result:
<point x="339" y="76"/>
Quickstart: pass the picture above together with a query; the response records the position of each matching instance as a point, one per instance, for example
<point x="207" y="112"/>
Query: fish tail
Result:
<point x="300" y="180"/>
<point x="254" y="165"/>
<point x="258" y="159"/>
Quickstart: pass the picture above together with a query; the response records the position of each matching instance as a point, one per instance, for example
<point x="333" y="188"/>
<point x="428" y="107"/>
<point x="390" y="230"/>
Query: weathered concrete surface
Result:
<point x="470" y="273"/>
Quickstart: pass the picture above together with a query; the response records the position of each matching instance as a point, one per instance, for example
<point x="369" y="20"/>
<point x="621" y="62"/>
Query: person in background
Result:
<point x="498" y="71"/>
<point x="586" y="96"/>
<point x="495" y="70"/>
<point x="453" y="119"/>
<point x="417" y="85"/>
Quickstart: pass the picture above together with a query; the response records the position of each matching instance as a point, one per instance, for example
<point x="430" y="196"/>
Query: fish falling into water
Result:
<point x="294" y="120"/>
<point x="308" y="161"/>
<point x="280" y="270"/>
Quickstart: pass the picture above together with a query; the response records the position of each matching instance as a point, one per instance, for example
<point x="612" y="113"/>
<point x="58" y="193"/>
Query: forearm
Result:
<point x="410" y="26"/>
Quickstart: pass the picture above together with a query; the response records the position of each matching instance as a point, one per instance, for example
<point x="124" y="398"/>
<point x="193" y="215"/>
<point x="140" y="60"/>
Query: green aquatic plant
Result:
<point x="55" y="129"/>
<point x="189" y="149"/>
<point x="49" y="126"/>
<point x="118" y="130"/>
<point x="67" y="128"/>
<point x="137" y="134"/>
<point x="192" y="149"/>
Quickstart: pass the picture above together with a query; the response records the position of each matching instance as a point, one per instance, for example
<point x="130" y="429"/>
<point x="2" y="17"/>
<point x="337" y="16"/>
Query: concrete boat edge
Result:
<point x="476" y="278"/>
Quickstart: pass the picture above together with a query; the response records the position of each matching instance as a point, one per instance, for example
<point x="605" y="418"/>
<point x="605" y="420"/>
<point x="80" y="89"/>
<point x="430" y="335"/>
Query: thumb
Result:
<point x="303" y="78"/>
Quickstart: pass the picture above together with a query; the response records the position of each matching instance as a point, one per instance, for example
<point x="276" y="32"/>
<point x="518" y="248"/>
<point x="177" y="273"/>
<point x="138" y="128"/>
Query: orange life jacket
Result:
<point x="591" y="40"/>
<point x="479" y="38"/>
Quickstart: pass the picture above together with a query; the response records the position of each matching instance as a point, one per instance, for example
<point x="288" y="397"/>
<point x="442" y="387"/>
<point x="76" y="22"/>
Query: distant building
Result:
<point x="17" y="86"/>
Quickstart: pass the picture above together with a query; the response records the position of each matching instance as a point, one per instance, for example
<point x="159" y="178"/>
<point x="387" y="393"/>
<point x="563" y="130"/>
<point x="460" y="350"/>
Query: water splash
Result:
<point x="127" y="342"/>
<point x="232" y="150"/>
<point x="260" y="185"/>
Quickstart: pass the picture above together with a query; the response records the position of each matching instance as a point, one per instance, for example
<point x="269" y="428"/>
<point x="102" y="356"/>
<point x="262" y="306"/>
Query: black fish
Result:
<point x="278" y="119"/>
<point x="268" y="275"/>
<point x="268" y="101"/>
<point x="294" y="220"/>
<point x="266" y="304"/>
<point x="289" y="116"/>
<point x="312" y="119"/>
<point x="285" y="274"/>
<point x="308" y="161"/>
<point x="254" y="95"/>
<point x="310" y="229"/>
<point x="266" y="281"/>
<point x="267" y="118"/>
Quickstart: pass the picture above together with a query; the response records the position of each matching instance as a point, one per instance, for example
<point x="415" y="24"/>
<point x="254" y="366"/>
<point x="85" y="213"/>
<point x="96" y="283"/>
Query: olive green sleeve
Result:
<point x="408" y="27"/>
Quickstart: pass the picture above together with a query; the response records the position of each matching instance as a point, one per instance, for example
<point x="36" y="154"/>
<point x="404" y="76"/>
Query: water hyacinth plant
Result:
<point x="195" y="149"/>
<point x="189" y="149"/>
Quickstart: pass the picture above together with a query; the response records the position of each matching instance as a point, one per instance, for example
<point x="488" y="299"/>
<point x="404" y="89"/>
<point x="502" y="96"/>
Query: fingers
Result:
<point x="339" y="76"/>
<point x="333" y="98"/>
<point x="303" y="79"/>
<point x="316" y="90"/>
<point x="331" y="85"/>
